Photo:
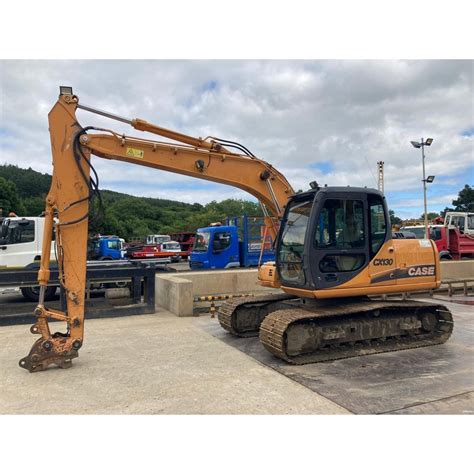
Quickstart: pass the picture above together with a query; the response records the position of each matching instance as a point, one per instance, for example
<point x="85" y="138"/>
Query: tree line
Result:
<point x="23" y="191"/>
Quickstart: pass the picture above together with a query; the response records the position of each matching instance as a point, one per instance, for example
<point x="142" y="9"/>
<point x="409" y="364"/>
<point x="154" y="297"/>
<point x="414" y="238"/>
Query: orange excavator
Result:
<point x="334" y="249"/>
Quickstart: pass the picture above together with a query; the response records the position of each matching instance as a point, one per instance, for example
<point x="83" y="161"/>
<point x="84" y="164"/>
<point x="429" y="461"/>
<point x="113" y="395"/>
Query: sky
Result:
<point x="324" y="120"/>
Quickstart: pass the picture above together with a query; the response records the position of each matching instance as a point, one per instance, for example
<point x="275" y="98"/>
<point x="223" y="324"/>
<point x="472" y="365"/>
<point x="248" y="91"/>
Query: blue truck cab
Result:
<point x="106" y="248"/>
<point x="215" y="247"/>
<point x="236" y="244"/>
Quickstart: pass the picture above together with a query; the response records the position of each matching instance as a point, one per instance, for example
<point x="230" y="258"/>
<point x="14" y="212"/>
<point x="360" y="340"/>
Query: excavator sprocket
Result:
<point x="242" y="316"/>
<point x="329" y="331"/>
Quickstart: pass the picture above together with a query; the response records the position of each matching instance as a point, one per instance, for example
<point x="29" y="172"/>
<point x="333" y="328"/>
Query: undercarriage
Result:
<point x="307" y="331"/>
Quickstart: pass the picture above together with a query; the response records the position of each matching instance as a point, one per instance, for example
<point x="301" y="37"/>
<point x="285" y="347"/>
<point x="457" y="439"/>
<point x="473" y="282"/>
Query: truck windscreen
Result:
<point x="17" y="232"/>
<point x="201" y="243"/>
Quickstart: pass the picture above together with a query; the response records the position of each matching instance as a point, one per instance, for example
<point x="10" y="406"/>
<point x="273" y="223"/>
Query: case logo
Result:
<point x="428" y="270"/>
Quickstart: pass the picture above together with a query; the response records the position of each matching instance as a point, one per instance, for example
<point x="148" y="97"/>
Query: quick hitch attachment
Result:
<point x="58" y="348"/>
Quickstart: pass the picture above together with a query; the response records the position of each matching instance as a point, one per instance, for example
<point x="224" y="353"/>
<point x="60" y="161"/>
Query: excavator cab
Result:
<point x="329" y="235"/>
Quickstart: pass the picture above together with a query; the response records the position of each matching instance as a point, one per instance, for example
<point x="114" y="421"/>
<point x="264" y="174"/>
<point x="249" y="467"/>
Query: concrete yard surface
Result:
<point x="153" y="364"/>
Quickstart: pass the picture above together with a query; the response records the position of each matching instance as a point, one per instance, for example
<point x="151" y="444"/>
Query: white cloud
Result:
<point x="293" y="114"/>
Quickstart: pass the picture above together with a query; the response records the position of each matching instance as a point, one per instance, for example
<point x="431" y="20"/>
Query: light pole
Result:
<point x="430" y="179"/>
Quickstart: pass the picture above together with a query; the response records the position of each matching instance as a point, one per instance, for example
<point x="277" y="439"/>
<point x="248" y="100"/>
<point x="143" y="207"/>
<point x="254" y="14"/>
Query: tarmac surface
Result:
<point x="436" y="379"/>
<point x="162" y="364"/>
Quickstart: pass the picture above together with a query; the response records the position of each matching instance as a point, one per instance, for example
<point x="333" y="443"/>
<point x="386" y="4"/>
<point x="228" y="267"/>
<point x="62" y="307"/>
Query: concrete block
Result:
<point x="220" y="282"/>
<point x="457" y="269"/>
<point x="174" y="294"/>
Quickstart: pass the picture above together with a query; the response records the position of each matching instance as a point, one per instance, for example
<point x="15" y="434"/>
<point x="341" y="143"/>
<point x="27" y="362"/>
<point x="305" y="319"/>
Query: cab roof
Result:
<point x="339" y="190"/>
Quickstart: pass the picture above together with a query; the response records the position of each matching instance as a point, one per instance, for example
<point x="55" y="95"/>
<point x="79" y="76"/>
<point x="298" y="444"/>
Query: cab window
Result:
<point x="341" y="263"/>
<point x="113" y="245"/>
<point x="435" y="233"/>
<point x="378" y="226"/>
<point x="221" y="241"/>
<point x="290" y="255"/>
<point x="18" y="232"/>
<point x="470" y="221"/>
<point x="341" y="225"/>
<point x="460" y="223"/>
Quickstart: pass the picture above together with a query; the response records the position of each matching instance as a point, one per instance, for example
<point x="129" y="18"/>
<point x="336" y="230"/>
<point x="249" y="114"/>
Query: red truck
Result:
<point x="165" y="249"/>
<point x="186" y="240"/>
<point x="454" y="238"/>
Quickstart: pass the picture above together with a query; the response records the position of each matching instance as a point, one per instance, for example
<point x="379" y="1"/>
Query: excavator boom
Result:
<point x="67" y="204"/>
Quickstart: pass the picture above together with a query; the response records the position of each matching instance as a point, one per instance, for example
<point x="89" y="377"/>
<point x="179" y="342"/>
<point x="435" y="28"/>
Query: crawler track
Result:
<point x="327" y="332"/>
<point x="242" y="316"/>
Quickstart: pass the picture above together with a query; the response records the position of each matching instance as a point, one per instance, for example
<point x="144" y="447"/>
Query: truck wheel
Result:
<point x="105" y="258"/>
<point x="446" y="257"/>
<point x="31" y="293"/>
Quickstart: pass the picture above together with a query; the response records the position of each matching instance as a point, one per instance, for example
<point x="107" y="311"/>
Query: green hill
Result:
<point x="24" y="190"/>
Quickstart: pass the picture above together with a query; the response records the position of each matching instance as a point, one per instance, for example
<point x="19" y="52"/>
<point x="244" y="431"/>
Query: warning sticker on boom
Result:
<point x="135" y="153"/>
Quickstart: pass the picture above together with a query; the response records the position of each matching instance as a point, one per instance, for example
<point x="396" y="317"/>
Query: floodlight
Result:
<point x="65" y="90"/>
<point x="416" y="144"/>
<point x="428" y="141"/>
<point x="430" y="179"/>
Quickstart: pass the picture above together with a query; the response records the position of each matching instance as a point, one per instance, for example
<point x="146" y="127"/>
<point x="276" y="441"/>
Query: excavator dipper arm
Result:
<point x="67" y="206"/>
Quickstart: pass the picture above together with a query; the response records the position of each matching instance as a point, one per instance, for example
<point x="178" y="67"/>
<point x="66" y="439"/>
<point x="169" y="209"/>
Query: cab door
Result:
<point x="383" y="263"/>
<point x="339" y="247"/>
<point x="225" y="249"/>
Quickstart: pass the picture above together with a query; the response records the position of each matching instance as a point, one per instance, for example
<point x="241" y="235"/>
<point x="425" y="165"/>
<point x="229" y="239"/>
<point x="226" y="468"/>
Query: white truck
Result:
<point x="157" y="239"/>
<point x="20" y="245"/>
<point x="464" y="221"/>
